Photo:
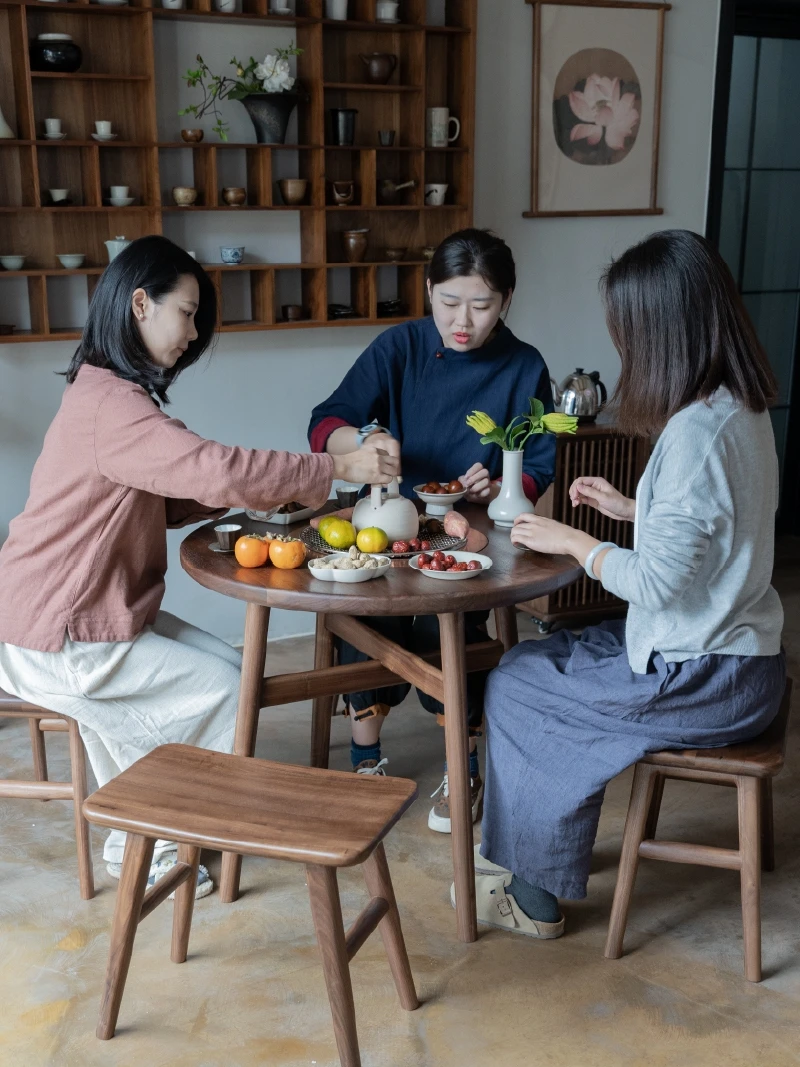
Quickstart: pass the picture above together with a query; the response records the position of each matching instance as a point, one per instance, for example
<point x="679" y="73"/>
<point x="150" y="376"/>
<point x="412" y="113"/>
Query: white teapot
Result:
<point x="392" y="513"/>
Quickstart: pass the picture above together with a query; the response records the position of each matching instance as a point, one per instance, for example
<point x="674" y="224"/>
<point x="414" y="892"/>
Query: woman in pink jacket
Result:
<point x="82" y="571"/>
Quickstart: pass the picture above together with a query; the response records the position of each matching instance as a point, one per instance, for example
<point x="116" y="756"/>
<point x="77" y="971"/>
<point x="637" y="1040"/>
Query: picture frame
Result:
<point x="597" y="74"/>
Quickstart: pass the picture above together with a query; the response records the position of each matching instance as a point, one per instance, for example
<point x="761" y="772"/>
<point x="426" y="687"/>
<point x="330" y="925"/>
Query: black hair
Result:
<point x="111" y="337"/>
<point x="475" y="252"/>
<point x="681" y="329"/>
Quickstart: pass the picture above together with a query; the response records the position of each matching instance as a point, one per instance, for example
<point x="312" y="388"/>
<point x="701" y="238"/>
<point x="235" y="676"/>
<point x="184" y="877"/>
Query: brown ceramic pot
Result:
<point x="380" y="66"/>
<point x="355" y="245"/>
<point x="293" y="190"/>
<point x="192" y="136"/>
<point x="234" y="195"/>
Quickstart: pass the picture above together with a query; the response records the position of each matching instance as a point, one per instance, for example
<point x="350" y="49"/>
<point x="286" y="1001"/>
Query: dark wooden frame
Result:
<point x="653" y="209"/>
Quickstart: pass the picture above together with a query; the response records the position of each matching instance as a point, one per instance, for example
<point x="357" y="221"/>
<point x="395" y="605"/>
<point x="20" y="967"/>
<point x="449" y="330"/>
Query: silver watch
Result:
<point x="367" y="431"/>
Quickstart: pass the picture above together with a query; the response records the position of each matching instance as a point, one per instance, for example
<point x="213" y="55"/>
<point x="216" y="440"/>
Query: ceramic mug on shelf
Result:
<point x="355" y="245"/>
<point x="52" y="127"/>
<point x="336" y="9"/>
<point x="102" y="128"/>
<point x="343" y="125"/>
<point x="437" y="127"/>
<point x="435" y="192"/>
<point x="57" y="195"/>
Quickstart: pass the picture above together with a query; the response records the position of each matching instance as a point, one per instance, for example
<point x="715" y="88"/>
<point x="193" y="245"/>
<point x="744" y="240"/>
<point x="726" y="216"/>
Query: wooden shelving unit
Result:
<point x="118" y="81"/>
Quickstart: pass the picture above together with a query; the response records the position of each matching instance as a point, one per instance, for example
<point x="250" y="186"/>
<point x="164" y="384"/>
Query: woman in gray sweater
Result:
<point x="698" y="662"/>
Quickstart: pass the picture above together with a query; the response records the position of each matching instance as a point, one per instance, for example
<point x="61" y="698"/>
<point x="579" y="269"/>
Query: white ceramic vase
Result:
<point x="5" y="130"/>
<point x="511" y="500"/>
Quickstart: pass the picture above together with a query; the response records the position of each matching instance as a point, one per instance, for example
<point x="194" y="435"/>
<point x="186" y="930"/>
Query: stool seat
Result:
<point x="252" y="806"/>
<point x="11" y="705"/>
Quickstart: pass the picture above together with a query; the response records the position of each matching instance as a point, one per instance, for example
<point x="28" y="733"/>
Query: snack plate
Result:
<point x="311" y="539"/>
<point x="352" y="577"/>
<point x="287" y="519"/>
<point x="460" y="557"/>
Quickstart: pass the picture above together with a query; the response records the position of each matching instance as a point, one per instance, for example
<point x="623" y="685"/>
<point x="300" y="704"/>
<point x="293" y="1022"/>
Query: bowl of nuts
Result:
<point x="352" y="566"/>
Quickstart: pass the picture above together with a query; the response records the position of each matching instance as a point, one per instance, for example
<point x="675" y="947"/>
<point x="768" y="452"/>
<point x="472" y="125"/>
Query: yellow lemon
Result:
<point x="324" y="523"/>
<point x="372" y="540"/>
<point x="340" y="534"/>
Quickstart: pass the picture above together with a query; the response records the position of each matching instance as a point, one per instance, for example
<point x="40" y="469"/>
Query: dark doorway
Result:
<point x="754" y="200"/>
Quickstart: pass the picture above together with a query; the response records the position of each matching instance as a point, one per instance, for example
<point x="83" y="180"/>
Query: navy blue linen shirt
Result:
<point x="422" y="393"/>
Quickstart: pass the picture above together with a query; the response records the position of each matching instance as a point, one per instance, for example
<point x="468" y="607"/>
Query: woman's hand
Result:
<point x="542" y="535"/>
<point x="601" y="495"/>
<point x="383" y="442"/>
<point x="478" y="483"/>
<point x="366" y="466"/>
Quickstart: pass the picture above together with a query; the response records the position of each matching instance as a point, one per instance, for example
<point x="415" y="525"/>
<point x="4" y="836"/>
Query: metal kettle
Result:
<point x="581" y="394"/>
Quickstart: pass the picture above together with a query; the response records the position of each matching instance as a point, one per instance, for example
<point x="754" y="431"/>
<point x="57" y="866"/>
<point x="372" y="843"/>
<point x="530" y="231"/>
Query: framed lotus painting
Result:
<point x="596" y="107"/>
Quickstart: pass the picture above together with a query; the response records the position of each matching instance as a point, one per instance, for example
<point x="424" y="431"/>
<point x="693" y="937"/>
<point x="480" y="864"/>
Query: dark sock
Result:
<point x="358" y="753"/>
<point x="537" y="903"/>
<point x="474" y="766"/>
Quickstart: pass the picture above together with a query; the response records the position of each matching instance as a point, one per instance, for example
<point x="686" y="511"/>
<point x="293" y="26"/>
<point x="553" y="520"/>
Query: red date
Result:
<point x="474" y="565"/>
<point x="436" y="565"/>
<point x="425" y="546"/>
<point x="450" y="559"/>
<point x="400" y="546"/>
<point x="459" y="567"/>
<point x="423" y="559"/>
<point x="439" y="556"/>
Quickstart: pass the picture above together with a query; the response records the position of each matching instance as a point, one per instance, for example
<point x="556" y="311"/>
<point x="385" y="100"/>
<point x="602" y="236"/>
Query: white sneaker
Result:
<point x="497" y="908"/>
<point x="371" y="766"/>
<point x="161" y="867"/>
<point x="439" y="815"/>
<point x="484" y="866"/>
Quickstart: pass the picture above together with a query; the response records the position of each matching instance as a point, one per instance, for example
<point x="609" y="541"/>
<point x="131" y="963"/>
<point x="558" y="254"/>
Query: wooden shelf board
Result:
<point x="74" y="8"/>
<point x="241" y="208"/>
<point x="394" y="207"/>
<point x="79" y="208"/>
<point x="79" y="75"/>
<point x="232" y="144"/>
<point x="365" y="87"/>
<point x="235" y="17"/>
<point x="371" y="27"/>
<point x="49" y="272"/>
<point x="43" y="142"/>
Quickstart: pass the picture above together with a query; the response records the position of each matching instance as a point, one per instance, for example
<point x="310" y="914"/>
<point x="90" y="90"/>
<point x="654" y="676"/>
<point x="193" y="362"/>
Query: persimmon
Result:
<point x="287" y="555"/>
<point x="251" y="551"/>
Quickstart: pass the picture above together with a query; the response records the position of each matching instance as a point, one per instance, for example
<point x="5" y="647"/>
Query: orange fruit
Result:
<point x="251" y="551"/>
<point x="340" y="534"/>
<point x="372" y="539"/>
<point x="287" y="554"/>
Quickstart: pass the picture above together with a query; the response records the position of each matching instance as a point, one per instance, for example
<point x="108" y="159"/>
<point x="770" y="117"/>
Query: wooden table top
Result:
<point x="516" y="575"/>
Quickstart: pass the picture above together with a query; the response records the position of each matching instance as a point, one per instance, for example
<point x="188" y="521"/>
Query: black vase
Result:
<point x="55" y="52"/>
<point x="270" y="114"/>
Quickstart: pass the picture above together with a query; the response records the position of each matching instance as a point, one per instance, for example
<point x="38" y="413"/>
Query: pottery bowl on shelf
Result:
<point x="394" y="255"/>
<point x="194" y="136"/>
<point x="12" y="262"/>
<point x="438" y="504"/>
<point x="71" y="260"/>
<point x="184" y="195"/>
<point x="293" y="190"/>
<point x="234" y="195"/>
<point x="232" y="254"/>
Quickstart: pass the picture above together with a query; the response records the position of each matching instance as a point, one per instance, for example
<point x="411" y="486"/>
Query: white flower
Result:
<point x="274" y="75"/>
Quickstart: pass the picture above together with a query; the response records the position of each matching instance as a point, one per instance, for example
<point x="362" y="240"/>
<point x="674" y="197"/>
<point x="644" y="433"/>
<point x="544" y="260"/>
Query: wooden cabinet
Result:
<point x="601" y="451"/>
<point x="118" y="81"/>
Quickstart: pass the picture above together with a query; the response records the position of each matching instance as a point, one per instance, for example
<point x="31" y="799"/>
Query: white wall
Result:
<point x="258" y="389"/>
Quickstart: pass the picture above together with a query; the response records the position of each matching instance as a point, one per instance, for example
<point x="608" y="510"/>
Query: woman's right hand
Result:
<point x="366" y="466"/>
<point x="603" y="497"/>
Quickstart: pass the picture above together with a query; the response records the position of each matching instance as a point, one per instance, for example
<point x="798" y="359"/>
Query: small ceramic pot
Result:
<point x="232" y="254"/>
<point x="192" y="136"/>
<point x="184" y="196"/>
<point x="55" y="53"/>
<point x="343" y="192"/>
<point x="394" y="255"/>
<point x="234" y="195"/>
<point x="292" y="312"/>
<point x="380" y="66"/>
<point x="293" y="190"/>
<point x="355" y="245"/>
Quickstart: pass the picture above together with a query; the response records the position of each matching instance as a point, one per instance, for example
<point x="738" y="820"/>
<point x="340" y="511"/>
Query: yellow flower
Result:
<point x="480" y="422"/>
<point x="558" y="423"/>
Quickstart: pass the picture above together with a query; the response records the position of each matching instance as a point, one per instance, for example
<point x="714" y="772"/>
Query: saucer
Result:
<point x="121" y="201"/>
<point x="54" y="136"/>
<point x="387" y="21"/>
<point x="222" y="551"/>
<point x="105" y="136"/>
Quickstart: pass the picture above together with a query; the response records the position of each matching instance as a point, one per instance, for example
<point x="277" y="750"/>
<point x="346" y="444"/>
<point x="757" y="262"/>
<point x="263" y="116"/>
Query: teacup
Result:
<point x="102" y="128"/>
<point x="232" y="254"/>
<point x="184" y="195"/>
<point x="52" y="127"/>
<point x="57" y="195"/>
<point x="119" y="192"/>
<point x="227" y="535"/>
<point x="435" y="193"/>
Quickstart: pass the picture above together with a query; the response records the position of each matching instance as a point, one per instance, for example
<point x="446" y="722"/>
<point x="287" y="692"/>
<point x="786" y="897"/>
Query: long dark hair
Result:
<point x="681" y="330"/>
<point x="475" y="252"/>
<point x="111" y="337"/>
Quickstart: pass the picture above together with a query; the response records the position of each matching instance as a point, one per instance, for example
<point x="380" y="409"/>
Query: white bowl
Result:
<point x="438" y="504"/>
<point x="71" y="261"/>
<point x="121" y="201"/>
<point x="459" y="557"/>
<point x="352" y="577"/>
<point x="12" y="262"/>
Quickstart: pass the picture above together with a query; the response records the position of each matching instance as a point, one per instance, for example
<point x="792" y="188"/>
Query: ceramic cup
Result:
<point x="394" y="255"/>
<point x="386" y="11"/>
<point x="227" y="534"/>
<point x="292" y="312"/>
<point x="336" y="9"/>
<point x="234" y="195"/>
<point x="57" y="195"/>
<point x="52" y="127"/>
<point x="103" y="127"/>
<point x="437" y="127"/>
<point x="355" y="245"/>
<point x="343" y="192"/>
<point x="435" y="194"/>
<point x="119" y="192"/>
<point x="386" y="138"/>
<point x="279" y="8"/>
<point x="172" y="5"/>
<point x="347" y="496"/>
<point x="225" y="6"/>
<point x="293" y="190"/>
<point x="71" y="260"/>
<point x="343" y="125"/>
<point x="184" y="195"/>
<point x="231" y="254"/>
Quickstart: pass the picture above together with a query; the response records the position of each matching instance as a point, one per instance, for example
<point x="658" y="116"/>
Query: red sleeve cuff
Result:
<point x="323" y="430"/>
<point x="529" y="488"/>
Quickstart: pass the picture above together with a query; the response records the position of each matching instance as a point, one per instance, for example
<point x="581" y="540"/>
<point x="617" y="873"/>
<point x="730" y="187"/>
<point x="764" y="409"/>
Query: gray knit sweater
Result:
<point x="698" y="578"/>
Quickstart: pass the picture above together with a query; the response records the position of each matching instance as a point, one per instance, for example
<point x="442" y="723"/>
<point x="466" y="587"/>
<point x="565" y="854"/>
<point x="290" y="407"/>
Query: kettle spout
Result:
<point x="558" y="394"/>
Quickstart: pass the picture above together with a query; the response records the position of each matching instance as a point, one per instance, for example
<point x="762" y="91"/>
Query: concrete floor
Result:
<point x="252" y="990"/>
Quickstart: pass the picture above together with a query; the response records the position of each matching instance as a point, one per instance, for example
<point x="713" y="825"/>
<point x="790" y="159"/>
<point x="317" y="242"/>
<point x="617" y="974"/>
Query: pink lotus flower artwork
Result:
<point x="597" y="107"/>
<point x="602" y="108"/>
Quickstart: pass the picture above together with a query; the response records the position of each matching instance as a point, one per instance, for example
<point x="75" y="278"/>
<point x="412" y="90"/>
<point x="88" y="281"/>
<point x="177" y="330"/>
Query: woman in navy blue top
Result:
<point x="409" y="394"/>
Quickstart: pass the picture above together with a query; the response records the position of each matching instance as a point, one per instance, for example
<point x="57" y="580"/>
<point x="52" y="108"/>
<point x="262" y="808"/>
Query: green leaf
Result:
<point x="537" y="407"/>
<point x="497" y="436"/>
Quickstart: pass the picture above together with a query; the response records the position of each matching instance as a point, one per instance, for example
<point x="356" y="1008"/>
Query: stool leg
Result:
<point x="749" y="795"/>
<point x="633" y="835"/>
<point x="184" y="904"/>
<point x="39" y="751"/>
<point x="655" y="808"/>
<point x="379" y="883"/>
<point x="132" y="886"/>
<point x="322" y="708"/>
<point x="83" y="839"/>
<point x="767" y="826"/>
<point x="323" y="889"/>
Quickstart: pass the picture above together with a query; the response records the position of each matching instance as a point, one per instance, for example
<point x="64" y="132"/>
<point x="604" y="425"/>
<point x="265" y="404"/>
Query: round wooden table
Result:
<point x="516" y="576"/>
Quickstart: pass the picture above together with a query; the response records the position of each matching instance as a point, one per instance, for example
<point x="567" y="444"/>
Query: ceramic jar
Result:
<point x="355" y="245"/>
<point x="55" y="53"/>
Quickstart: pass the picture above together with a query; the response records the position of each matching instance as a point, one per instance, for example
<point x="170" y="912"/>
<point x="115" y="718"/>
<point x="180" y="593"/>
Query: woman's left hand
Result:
<point x="478" y="483"/>
<point x="541" y="535"/>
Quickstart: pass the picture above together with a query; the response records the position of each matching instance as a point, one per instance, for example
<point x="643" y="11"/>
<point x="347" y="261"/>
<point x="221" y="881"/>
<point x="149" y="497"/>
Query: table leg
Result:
<point x="256" y="625"/>
<point x="322" y="707"/>
<point x="454" y="677"/>
<point x="506" y="622"/>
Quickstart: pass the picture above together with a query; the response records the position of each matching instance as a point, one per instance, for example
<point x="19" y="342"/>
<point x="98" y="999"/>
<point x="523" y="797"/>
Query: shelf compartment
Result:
<point x="67" y="301"/>
<point x="452" y="169"/>
<point x="79" y="104"/>
<point x="304" y="286"/>
<point x="108" y="52"/>
<point x="403" y="282"/>
<point x="75" y="169"/>
<point x="354" y="285"/>
<point x="400" y="167"/>
<point x="135" y="167"/>
<point x="18" y="178"/>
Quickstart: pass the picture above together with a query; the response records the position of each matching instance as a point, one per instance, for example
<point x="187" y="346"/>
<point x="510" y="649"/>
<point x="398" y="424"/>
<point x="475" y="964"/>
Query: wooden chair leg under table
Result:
<point x="322" y="708"/>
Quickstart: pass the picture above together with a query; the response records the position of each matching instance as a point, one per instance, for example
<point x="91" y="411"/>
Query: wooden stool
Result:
<point x="40" y="720"/>
<point x="325" y="819"/>
<point x="750" y="767"/>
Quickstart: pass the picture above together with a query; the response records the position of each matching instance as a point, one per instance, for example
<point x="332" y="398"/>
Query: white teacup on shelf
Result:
<point x="103" y="127"/>
<point x="71" y="261"/>
<point x="435" y="193"/>
<point x="172" y="5"/>
<point x="57" y="195"/>
<point x="386" y="11"/>
<point x="53" y="131"/>
<point x="336" y="9"/>
<point x="119" y="192"/>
